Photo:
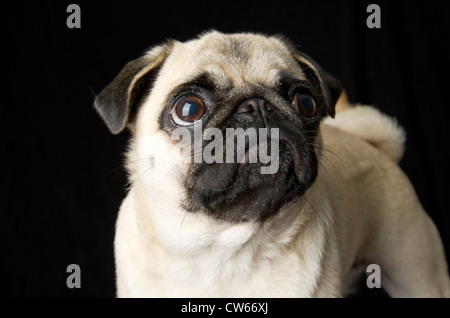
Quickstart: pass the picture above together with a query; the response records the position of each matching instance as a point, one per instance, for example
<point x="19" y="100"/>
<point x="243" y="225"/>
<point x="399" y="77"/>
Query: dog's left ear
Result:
<point x="327" y="84"/>
<point x="118" y="101"/>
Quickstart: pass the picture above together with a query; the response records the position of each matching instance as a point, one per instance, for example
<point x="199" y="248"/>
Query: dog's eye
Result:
<point x="305" y="104"/>
<point x="188" y="109"/>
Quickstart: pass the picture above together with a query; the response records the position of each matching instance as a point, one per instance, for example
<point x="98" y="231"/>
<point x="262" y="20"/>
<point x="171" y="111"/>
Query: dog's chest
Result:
<point x="269" y="263"/>
<point x="207" y="277"/>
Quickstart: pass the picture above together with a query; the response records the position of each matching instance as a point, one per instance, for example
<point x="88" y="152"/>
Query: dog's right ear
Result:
<point x="117" y="102"/>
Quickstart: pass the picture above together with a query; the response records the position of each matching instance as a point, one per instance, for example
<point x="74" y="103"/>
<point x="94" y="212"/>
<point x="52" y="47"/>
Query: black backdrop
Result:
<point x="62" y="181"/>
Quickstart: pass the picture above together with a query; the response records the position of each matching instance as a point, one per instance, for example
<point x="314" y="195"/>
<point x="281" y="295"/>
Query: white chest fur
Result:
<point x="158" y="255"/>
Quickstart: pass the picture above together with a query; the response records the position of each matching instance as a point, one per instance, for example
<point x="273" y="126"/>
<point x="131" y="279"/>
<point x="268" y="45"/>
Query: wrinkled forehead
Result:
<point x="233" y="60"/>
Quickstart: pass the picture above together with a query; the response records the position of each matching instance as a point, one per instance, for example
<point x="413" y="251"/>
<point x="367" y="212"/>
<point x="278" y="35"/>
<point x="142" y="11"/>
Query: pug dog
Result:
<point x="324" y="197"/>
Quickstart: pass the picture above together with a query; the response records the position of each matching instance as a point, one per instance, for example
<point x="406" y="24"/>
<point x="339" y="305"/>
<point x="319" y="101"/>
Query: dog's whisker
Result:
<point x="317" y="213"/>
<point x="324" y="148"/>
<point x="181" y="227"/>
<point x="114" y="170"/>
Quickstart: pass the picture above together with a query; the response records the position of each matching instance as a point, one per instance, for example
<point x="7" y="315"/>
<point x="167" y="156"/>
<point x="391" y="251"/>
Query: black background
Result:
<point x="62" y="178"/>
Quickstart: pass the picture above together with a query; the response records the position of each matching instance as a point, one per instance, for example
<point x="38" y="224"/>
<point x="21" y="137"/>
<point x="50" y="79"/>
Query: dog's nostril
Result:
<point x="255" y="105"/>
<point x="245" y="108"/>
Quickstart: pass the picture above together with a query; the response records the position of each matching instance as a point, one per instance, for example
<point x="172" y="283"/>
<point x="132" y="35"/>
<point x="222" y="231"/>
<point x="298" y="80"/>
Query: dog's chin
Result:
<point x="239" y="192"/>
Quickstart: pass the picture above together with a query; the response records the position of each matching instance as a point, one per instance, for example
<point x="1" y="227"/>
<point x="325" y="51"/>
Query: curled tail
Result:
<point x="369" y="124"/>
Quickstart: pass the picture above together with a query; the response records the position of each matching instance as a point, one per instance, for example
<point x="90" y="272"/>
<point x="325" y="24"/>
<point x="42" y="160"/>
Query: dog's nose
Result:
<point x="255" y="107"/>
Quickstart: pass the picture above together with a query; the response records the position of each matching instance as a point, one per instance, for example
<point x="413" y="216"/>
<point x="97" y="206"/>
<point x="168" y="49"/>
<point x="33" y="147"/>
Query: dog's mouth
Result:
<point x="253" y="191"/>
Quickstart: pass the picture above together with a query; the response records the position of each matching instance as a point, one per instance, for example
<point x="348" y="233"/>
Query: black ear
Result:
<point x="117" y="102"/>
<point x="330" y="87"/>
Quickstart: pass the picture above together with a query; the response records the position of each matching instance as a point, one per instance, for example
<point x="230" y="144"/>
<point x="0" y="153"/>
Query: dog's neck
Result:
<point x="194" y="247"/>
